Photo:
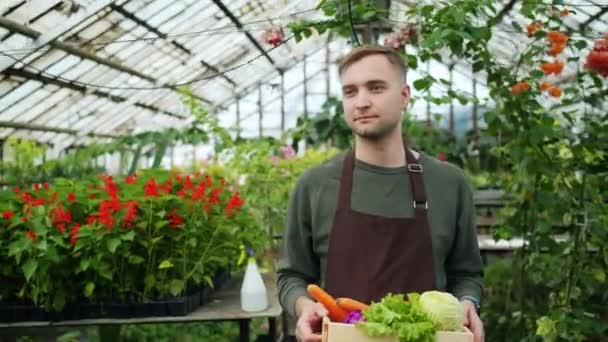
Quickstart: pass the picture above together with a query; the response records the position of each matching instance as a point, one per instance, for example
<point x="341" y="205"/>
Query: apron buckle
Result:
<point x="414" y="167"/>
<point x="426" y="204"/>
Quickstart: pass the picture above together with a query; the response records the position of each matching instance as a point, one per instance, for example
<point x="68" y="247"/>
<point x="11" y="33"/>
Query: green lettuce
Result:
<point x="393" y="315"/>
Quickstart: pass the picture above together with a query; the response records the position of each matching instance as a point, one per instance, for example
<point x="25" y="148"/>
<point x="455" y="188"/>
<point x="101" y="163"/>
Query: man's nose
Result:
<point x="362" y="100"/>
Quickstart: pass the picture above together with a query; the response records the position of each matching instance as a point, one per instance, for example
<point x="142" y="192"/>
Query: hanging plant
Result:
<point x="597" y="60"/>
<point x="274" y="36"/>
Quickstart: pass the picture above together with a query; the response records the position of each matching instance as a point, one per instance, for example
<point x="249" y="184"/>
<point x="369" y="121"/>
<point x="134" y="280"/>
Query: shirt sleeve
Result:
<point x="464" y="267"/>
<point x="297" y="266"/>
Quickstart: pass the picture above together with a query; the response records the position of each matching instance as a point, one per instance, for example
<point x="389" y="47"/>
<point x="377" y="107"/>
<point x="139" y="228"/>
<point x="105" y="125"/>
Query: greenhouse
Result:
<point x="313" y="170"/>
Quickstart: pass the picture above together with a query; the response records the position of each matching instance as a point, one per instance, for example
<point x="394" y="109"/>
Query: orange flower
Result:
<point x="519" y="87"/>
<point x="555" y="92"/>
<point x="552" y="68"/>
<point x="544" y="85"/>
<point x="598" y="61"/>
<point x="556" y="37"/>
<point x="564" y="12"/>
<point x="557" y="48"/>
<point x="532" y="28"/>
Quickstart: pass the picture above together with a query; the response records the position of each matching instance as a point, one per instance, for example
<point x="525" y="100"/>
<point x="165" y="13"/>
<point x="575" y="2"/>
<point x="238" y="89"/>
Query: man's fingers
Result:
<point x="466" y="317"/>
<point x="477" y="328"/>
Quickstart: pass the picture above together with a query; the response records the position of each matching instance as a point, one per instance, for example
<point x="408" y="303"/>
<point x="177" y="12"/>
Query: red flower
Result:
<point x="31" y="235"/>
<point x="110" y="187"/>
<point x="131" y="179"/>
<point x="71" y="197"/>
<point x="187" y="183"/>
<point x="552" y="68"/>
<point x="151" y="189"/>
<point x="36" y="187"/>
<point x="24" y="219"/>
<point x="274" y="36"/>
<point x="91" y="219"/>
<point x="8" y="214"/>
<point x="175" y="220"/>
<point x="234" y="203"/>
<point x="16" y="190"/>
<point x="60" y="217"/>
<point x="73" y="233"/>
<point x="45" y="185"/>
<point x="131" y="212"/>
<point x="208" y="181"/>
<point x="53" y="198"/>
<point x="207" y="208"/>
<point x="442" y="156"/>
<point x="597" y="60"/>
<point x="556" y="37"/>
<point x="520" y="87"/>
<point x="215" y="194"/>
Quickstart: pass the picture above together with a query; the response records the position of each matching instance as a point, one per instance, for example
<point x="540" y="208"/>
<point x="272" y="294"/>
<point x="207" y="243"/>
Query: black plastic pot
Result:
<point x="6" y="313"/>
<point x="178" y="306"/>
<point x="116" y="309"/>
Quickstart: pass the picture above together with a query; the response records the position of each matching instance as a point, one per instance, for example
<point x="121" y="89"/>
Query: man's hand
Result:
<point x="310" y="316"/>
<point x="472" y="321"/>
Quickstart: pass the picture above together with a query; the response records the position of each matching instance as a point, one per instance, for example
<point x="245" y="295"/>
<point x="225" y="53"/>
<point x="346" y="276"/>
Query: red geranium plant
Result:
<point x="150" y="235"/>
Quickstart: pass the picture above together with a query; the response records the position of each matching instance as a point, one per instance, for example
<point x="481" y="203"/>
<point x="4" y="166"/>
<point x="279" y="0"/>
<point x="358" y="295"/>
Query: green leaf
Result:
<point x="128" y="236"/>
<point x="59" y="300"/>
<point x="88" y="289"/>
<point x="113" y="244"/>
<point x="105" y="272"/>
<point x="135" y="259"/>
<point x="84" y="264"/>
<point x="29" y="268"/>
<point x="422" y="84"/>
<point x="165" y="264"/>
<point x="599" y="275"/>
<point x="149" y="281"/>
<point x="176" y="286"/>
<point x="537" y="74"/>
<point x="161" y="224"/>
<point x="580" y="44"/>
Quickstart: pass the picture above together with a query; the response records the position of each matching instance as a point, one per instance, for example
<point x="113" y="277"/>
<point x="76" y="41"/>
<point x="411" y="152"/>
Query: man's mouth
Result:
<point x="365" y="117"/>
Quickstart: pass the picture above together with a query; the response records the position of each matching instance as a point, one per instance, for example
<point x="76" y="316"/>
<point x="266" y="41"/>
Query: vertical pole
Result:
<point x="305" y="88"/>
<point x="327" y="63"/>
<point x="238" y="117"/>
<point x="452" y="124"/>
<point x="428" y="98"/>
<point x="260" y="109"/>
<point x="475" y="108"/>
<point x="282" y="102"/>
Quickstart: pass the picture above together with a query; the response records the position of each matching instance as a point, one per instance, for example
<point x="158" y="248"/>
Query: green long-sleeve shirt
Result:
<point x="384" y="192"/>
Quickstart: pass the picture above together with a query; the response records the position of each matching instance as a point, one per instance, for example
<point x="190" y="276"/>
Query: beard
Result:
<point x="377" y="132"/>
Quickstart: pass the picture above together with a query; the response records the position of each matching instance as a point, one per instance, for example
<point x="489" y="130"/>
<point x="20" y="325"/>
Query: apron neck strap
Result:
<point x="414" y="171"/>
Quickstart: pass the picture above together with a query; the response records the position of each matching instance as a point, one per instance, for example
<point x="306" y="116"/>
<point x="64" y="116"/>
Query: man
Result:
<point x="382" y="218"/>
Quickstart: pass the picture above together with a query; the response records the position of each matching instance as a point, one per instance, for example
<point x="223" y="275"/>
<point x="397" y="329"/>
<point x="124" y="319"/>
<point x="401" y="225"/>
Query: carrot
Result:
<point x="336" y="313"/>
<point x="350" y="304"/>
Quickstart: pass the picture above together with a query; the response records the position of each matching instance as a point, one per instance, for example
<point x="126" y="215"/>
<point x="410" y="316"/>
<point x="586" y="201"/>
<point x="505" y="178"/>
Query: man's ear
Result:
<point x="405" y="92"/>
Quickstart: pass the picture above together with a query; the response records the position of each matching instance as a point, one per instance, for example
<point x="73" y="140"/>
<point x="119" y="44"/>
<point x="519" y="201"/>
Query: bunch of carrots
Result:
<point x="338" y="308"/>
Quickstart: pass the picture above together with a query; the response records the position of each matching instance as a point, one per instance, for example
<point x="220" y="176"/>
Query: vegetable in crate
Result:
<point x="336" y="313"/>
<point x="443" y="309"/>
<point x="393" y="315"/>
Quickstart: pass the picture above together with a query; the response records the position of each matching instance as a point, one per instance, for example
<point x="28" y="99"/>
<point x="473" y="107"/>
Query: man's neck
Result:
<point x="389" y="152"/>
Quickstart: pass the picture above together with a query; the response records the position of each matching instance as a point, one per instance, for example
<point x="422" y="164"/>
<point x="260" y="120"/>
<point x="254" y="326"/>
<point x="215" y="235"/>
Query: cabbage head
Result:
<point x="444" y="310"/>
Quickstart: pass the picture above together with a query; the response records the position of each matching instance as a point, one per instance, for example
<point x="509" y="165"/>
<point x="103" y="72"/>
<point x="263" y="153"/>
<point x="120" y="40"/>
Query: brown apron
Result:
<point x="370" y="256"/>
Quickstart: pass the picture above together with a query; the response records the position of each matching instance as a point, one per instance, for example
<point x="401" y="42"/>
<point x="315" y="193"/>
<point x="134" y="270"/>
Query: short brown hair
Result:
<point x="363" y="51"/>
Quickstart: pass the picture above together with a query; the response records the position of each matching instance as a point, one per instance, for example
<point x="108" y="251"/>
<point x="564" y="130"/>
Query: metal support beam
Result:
<point x="475" y="109"/>
<point x="282" y="102"/>
<point x="305" y="88"/>
<point x="238" y="24"/>
<point x="33" y="127"/>
<point x="54" y="33"/>
<point x="261" y="114"/>
<point x="54" y="81"/>
<point x="238" y="117"/>
<point x="24" y="30"/>
<point x="451" y="112"/>
<point x="163" y="35"/>
<point x="327" y="63"/>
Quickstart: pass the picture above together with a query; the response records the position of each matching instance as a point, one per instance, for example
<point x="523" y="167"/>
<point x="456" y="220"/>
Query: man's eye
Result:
<point x="349" y="92"/>
<point x="377" y="87"/>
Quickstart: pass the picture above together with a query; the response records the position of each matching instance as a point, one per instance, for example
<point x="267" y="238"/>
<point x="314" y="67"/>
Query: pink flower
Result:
<point x="288" y="152"/>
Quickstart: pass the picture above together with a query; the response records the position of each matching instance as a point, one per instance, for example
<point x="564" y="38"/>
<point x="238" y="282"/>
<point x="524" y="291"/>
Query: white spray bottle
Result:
<point x="254" y="296"/>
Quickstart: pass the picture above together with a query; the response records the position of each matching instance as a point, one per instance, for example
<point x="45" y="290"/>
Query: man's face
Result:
<point x="374" y="96"/>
